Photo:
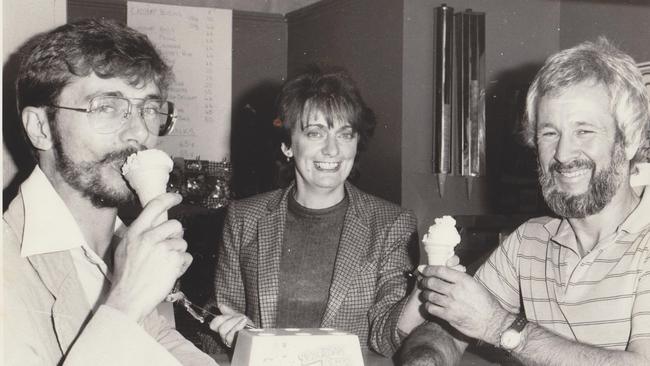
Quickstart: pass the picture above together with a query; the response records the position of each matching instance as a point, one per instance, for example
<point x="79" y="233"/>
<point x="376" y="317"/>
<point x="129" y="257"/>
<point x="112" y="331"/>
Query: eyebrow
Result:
<point x="541" y="125"/>
<point x="121" y="95"/>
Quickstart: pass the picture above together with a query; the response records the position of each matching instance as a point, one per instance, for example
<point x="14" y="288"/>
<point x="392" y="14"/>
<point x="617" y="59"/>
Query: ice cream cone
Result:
<point x="438" y="255"/>
<point x="440" y="241"/>
<point x="147" y="172"/>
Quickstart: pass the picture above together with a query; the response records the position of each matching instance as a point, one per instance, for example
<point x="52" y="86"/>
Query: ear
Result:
<point x="632" y="146"/>
<point x="37" y="127"/>
<point x="286" y="150"/>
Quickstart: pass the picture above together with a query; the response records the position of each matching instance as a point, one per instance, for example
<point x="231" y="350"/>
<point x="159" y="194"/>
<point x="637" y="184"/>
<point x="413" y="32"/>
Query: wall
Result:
<point x="519" y="36"/>
<point x="259" y="67"/>
<point x="43" y="15"/>
<point x="625" y="22"/>
<point x="365" y="37"/>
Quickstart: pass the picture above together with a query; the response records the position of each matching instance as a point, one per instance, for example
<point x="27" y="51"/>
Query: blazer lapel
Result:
<point x="352" y="248"/>
<point x="70" y="310"/>
<point x="270" y="236"/>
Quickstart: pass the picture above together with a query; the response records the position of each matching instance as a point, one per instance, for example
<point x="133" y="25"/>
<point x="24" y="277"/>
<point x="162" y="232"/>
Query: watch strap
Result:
<point x="519" y="323"/>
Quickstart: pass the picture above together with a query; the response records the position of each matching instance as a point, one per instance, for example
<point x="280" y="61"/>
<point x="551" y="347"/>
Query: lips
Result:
<point x="324" y="165"/>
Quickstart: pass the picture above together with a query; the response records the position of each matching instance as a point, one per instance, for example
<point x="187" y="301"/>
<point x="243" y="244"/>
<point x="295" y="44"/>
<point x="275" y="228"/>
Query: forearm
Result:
<point x="430" y="344"/>
<point x="539" y="342"/>
<point x="411" y="316"/>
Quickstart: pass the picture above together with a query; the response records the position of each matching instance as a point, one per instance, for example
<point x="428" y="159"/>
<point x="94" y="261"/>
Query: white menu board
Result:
<point x="197" y="43"/>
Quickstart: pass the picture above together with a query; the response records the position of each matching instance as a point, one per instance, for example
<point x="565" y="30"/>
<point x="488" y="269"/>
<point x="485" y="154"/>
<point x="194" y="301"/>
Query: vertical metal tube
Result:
<point x="481" y="134"/>
<point x="443" y="89"/>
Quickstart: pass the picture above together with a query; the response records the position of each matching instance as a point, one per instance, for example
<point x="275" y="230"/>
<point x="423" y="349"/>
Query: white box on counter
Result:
<point x="296" y="347"/>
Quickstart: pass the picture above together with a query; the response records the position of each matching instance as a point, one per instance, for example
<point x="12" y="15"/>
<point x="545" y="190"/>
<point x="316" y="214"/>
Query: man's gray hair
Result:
<point x="602" y="63"/>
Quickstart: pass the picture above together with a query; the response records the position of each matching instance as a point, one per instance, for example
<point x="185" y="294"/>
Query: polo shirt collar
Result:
<point x="49" y="224"/>
<point x="638" y="219"/>
<point x="563" y="234"/>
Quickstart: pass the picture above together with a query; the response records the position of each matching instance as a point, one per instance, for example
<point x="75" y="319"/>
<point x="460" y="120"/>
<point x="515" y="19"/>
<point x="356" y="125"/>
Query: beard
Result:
<point x="602" y="187"/>
<point x="86" y="177"/>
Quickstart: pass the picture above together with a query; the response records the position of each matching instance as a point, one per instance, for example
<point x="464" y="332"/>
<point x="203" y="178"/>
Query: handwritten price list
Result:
<point x="197" y="42"/>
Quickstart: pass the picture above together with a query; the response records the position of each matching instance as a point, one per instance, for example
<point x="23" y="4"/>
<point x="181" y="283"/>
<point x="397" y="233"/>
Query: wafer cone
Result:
<point x="147" y="172"/>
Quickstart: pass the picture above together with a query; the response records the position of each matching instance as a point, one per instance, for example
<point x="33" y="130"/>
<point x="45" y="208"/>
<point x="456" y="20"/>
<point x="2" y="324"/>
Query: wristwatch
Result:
<point x="512" y="337"/>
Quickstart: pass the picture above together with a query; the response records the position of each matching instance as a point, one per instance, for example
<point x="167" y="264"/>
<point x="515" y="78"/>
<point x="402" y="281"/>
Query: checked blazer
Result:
<point x="369" y="286"/>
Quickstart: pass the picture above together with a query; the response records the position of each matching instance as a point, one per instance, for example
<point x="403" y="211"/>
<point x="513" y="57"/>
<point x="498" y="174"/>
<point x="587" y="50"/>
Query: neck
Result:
<point x="589" y="230"/>
<point x="96" y="224"/>
<point x="318" y="198"/>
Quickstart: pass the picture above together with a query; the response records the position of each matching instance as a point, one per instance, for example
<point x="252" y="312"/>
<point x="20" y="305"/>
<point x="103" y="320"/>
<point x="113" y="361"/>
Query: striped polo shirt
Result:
<point x="602" y="299"/>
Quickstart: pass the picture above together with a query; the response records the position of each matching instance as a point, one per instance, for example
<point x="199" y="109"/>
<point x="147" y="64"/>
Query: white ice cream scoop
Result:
<point x="441" y="239"/>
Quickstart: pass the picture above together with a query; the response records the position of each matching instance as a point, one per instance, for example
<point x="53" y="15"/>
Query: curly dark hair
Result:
<point x="101" y="46"/>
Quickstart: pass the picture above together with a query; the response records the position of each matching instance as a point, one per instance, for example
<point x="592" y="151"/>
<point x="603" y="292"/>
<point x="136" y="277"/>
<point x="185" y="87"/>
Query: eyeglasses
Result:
<point x="107" y="114"/>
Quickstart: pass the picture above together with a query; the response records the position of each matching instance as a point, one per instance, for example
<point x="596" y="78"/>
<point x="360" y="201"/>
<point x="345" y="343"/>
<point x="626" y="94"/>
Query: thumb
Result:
<point x="225" y="309"/>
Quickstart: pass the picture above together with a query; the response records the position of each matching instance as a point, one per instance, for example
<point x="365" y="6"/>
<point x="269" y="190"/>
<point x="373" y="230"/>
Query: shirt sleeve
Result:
<point x="499" y="274"/>
<point x="110" y="338"/>
<point x="169" y="338"/>
<point x="228" y="282"/>
<point x="641" y="308"/>
<point x="392" y="285"/>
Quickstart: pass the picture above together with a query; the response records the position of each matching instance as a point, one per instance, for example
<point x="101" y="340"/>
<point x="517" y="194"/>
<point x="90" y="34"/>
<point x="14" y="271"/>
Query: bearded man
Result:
<point x="80" y="288"/>
<point x="572" y="289"/>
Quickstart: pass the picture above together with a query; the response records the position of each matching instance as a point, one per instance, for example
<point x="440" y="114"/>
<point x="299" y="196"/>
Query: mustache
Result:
<point x="119" y="156"/>
<point x="556" y="166"/>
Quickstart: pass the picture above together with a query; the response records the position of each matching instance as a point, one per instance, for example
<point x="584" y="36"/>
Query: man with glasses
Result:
<point x="79" y="287"/>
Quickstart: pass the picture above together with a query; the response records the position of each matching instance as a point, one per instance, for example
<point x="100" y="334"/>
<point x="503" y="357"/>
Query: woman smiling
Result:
<point x="319" y="253"/>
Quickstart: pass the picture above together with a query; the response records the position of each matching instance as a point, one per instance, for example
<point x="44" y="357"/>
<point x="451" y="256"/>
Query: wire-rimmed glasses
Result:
<point x="108" y="113"/>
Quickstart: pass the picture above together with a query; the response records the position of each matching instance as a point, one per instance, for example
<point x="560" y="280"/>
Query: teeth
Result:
<point x="574" y="173"/>
<point x="325" y="165"/>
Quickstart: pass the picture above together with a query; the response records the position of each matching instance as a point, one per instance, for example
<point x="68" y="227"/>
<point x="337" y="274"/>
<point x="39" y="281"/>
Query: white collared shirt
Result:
<point x="50" y="227"/>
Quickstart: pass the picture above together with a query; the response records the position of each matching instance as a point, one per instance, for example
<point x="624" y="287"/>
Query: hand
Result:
<point x="411" y="315"/>
<point x="453" y="262"/>
<point x="463" y="302"/>
<point x="228" y="324"/>
<point x="148" y="260"/>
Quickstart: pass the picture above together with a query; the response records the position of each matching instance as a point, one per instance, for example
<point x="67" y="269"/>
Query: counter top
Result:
<point x="373" y="359"/>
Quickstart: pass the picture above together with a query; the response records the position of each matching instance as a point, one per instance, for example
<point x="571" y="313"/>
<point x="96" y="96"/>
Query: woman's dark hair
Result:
<point x="329" y="90"/>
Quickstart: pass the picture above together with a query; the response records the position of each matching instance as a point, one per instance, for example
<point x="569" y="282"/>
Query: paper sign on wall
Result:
<point x="197" y="43"/>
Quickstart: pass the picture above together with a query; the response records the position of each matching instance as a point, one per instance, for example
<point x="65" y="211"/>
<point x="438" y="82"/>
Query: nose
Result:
<point x="565" y="149"/>
<point x="135" y="128"/>
<point x="331" y="147"/>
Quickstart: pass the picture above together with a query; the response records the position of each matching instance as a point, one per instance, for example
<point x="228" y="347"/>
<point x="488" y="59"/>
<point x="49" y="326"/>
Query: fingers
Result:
<point x="225" y="309"/>
<point x="227" y="326"/>
<point x="437" y="285"/>
<point x="176" y="253"/>
<point x="166" y="230"/>
<point x="453" y="261"/>
<point x="187" y="261"/>
<point x="175" y="244"/>
<point x="154" y="209"/>
<point x="452" y="275"/>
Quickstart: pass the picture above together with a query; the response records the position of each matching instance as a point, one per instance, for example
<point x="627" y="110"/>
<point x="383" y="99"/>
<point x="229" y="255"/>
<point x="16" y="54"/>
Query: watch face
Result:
<point x="510" y="339"/>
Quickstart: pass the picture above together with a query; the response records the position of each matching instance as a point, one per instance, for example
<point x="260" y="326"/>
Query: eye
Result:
<point x="347" y="135"/>
<point x="546" y="133"/>
<point x="584" y="132"/>
<point x="150" y="111"/>
<point x="104" y="108"/>
<point x="313" y="133"/>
